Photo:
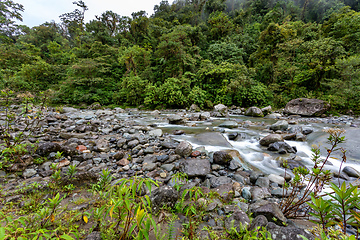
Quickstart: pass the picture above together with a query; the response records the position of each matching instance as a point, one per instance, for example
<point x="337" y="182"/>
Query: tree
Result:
<point x="9" y="13"/>
<point x="73" y="23"/>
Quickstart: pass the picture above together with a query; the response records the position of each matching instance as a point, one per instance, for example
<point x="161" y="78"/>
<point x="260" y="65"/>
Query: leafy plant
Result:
<point x="313" y="180"/>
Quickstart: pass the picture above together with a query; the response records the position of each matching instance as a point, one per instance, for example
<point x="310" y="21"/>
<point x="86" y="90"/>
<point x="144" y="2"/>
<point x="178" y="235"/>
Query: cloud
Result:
<point x="41" y="11"/>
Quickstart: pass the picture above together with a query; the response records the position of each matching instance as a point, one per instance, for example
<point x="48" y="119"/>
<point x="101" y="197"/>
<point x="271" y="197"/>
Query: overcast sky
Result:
<point x="41" y="11"/>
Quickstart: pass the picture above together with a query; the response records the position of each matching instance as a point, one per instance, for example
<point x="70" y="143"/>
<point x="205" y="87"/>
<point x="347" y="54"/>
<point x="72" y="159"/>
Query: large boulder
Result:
<point x="272" y="212"/>
<point x="280" y="125"/>
<point x="293" y="233"/>
<point x="176" y="119"/>
<point x="236" y="219"/>
<point x="254" y="112"/>
<point x="306" y="107"/>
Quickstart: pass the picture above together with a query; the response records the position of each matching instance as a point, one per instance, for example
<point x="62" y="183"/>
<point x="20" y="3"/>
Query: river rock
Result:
<point x="163" y="196"/>
<point x="212" y="139"/>
<point x="29" y="173"/>
<point x="266" y="141"/>
<point x="258" y="193"/>
<point x="276" y="179"/>
<point x="293" y="233"/>
<point x="222" y="109"/>
<point x="218" y="181"/>
<point x="263" y="182"/>
<point x="280" y="125"/>
<point x="237" y="218"/>
<point x="272" y="213"/>
<point x="156" y="133"/>
<point x="229" y="124"/>
<point x="221" y="157"/>
<point x="266" y="110"/>
<point x="48" y="147"/>
<point x="273" y="116"/>
<point x="306" y="107"/>
<point x="184" y="149"/>
<point x="351" y="172"/>
<point x="196" y="167"/>
<point x="254" y="112"/>
<point x="258" y="222"/>
<point x="176" y="119"/>
<point x="282" y="147"/>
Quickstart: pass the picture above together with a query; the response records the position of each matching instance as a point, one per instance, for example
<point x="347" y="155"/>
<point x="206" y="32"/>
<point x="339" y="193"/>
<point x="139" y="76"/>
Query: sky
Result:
<point x="41" y="11"/>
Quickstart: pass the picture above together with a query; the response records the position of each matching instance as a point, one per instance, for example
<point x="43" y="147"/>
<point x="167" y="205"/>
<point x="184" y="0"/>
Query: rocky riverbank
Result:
<point x="132" y="143"/>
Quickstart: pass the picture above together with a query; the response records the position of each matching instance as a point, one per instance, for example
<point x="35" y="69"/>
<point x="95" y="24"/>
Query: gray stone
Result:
<point x="258" y="221"/>
<point x="163" y="196"/>
<point x="234" y="165"/>
<point x="176" y="119"/>
<point x="48" y="147"/>
<point x="276" y="179"/>
<point x="266" y="110"/>
<point x="237" y="218"/>
<point x="351" y="172"/>
<point x="254" y="112"/>
<point x="93" y="236"/>
<point x="280" y="125"/>
<point x="282" y="147"/>
<point x="67" y="135"/>
<point x="168" y="167"/>
<point x="120" y="142"/>
<point x="149" y="166"/>
<point x="196" y="167"/>
<point x="213" y="139"/>
<point x="273" y="116"/>
<point x="272" y="213"/>
<point x="184" y="149"/>
<point x="2" y="174"/>
<point x="217" y="181"/>
<point x="229" y="124"/>
<point x="263" y="182"/>
<point x="306" y="107"/>
<point x="222" y="158"/>
<point x="266" y="141"/>
<point x="222" y="109"/>
<point x="258" y="193"/>
<point x="29" y="173"/>
<point x="282" y="233"/>
<point x="156" y="133"/>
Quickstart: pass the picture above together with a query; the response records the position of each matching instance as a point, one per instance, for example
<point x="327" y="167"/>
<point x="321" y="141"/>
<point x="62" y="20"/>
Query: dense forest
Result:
<point x="235" y="52"/>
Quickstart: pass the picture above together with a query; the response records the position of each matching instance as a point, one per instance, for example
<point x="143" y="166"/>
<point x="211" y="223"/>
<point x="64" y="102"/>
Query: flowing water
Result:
<point x="253" y="129"/>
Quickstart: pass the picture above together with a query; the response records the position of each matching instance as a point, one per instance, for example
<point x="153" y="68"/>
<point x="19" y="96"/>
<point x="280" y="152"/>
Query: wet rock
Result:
<point x="272" y="213"/>
<point x="233" y="135"/>
<point x="229" y="124"/>
<point x="222" y="158"/>
<point x="266" y="141"/>
<point x="234" y="165"/>
<point x="237" y="218"/>
<point x="307" y="130"/>
<point x="291" y="164"/>
<point x="254" y="112"/>
<point x="163" y="196"/>
<point x="282" y="147"/>
<point x="280" y="125"/>
<point x="351" y="172"/>
<point x="178" y="132"/>
<point x="184" y="149"/>
<point x="48" y="147"/>
<point x="306" y="107"/>
<point x="196" y="167"/>
<point x="162" y="158"/>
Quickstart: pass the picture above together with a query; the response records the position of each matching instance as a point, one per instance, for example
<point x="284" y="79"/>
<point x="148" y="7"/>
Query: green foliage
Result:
<point x="132" y="91"/>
